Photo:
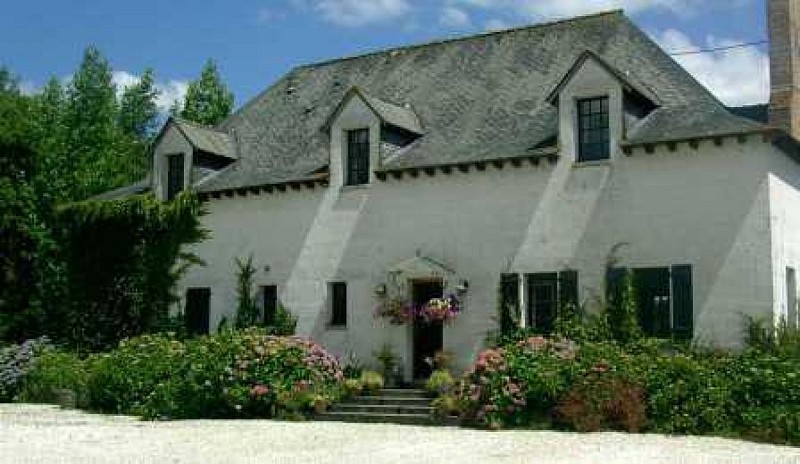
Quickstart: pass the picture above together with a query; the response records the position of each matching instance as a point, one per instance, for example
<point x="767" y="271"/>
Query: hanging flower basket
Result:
<point x="397" y="312"/>
<point x="440" y="310"/>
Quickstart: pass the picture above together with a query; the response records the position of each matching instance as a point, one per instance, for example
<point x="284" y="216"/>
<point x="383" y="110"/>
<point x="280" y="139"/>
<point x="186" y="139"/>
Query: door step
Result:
<point x="389" y="405"/>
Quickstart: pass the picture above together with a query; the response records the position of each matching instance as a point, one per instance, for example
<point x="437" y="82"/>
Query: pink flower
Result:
<point x="259" y="390"/>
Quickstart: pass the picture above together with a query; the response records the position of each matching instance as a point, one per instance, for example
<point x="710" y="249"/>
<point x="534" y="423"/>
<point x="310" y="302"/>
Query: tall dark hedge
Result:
<point x="122" y="260"/>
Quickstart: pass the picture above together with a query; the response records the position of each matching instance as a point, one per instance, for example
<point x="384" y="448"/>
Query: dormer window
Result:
<point x="174" y="175"/>
<point x="357" y="160"/>
<point x="593" y="129"/>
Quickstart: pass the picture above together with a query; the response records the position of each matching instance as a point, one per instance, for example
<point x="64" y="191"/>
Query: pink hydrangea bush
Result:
<point x="284" y="376"/>
<point x="517" y="384"/>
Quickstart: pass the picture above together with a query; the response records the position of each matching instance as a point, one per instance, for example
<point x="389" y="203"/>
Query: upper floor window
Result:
<point x="174" y="175"/>
<point x="593" y="130"/>
<point x="357" y="165"/>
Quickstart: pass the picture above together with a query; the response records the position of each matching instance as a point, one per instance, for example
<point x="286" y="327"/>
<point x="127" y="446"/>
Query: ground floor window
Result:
<point x="338" y="293"/>
<point x="547" y="294"/>
<point x="663" y="298"/>
<point x="269" y="300"/>
<point x="198" y="302"/>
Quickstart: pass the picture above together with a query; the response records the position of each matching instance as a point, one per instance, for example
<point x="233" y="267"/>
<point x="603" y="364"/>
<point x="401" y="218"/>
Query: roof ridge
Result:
<point x="557" y="22"/>
<point x="198" y="125"/>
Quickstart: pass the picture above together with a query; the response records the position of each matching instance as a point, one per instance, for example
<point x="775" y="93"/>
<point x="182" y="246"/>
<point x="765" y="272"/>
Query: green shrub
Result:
<point x="121" y="380"/>
<point x="285" y="323"/>
<point x="446" y="406"/>
<point x="57" y="377"/>
<point x="687" y="394"/>
<point x="440" y="382"/>
<point x="352" y="387"/>
<point x="371" y="381"/>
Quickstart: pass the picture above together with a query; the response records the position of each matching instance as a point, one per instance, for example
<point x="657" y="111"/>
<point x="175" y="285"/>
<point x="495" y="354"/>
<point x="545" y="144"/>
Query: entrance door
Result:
<point x="428" y="337"/>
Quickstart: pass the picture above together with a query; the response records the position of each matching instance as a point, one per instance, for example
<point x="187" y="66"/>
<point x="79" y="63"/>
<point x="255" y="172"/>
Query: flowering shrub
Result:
<point x="16" y="361"/>
<point x="230" y="374"/>
<point x="273" y="375"/>
<point x="603" y="400"/>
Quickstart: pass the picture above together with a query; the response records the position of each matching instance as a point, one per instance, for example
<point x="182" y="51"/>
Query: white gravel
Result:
<point x="45" y="434"/>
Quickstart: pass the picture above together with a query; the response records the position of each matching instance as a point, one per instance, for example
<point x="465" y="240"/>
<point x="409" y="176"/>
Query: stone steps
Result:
<point x="388" y="405"/>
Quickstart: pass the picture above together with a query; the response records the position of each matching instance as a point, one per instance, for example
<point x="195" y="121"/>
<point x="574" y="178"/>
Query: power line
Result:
<point x="718" y="49"/>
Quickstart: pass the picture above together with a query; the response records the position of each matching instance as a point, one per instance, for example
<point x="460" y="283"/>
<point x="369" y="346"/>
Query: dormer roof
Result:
<point x="203" y="138"/>
<point x="628" y="81"/>
<point x="390" y="114"/>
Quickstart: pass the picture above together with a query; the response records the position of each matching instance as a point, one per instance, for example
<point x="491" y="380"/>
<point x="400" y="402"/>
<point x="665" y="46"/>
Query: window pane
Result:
<point x="593" y="129"/>
<point x="357" y="157"/>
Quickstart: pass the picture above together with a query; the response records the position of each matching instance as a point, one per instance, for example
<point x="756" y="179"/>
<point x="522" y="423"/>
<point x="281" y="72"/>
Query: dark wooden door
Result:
<point x="428" y="337"/>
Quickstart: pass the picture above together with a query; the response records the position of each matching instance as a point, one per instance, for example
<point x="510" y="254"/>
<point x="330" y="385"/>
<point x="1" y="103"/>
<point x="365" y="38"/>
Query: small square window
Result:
<point x="338" y="293"/>
<point x="593" y="129"/>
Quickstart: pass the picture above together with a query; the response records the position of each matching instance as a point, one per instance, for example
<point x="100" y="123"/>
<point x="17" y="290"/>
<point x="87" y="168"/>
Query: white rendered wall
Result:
<point x="708" y="207"/>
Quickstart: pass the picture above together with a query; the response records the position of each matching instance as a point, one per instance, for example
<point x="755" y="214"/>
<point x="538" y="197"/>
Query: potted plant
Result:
<point x="388" y="360"/>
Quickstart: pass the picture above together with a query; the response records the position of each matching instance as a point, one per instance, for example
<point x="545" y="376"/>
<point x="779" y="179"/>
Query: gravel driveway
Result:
<point x="46" y="434"/>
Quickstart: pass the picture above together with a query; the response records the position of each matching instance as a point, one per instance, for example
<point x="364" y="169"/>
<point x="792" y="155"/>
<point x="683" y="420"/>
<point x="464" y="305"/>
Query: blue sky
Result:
<point x="256" y="41"/>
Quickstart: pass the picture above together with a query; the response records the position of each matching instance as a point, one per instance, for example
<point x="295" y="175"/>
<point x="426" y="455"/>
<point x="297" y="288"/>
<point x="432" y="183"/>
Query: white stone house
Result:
<point x="530" y="160"/>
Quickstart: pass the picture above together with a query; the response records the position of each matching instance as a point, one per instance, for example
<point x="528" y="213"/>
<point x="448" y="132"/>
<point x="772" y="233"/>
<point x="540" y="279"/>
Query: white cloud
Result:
<point x="355" y="13"/>
<point x="266" y="15"/>
<point x="567" y="8"/>
<point x="496" y="24"/>
<point x="169" y="91"/>
<point x="454" y="17"/>
<point x="738" y="76"/>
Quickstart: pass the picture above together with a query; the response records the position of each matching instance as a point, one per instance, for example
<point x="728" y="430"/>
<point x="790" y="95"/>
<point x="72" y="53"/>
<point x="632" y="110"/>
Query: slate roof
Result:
<point x="477" y="97"/>
<point x="141" y="186"/>
<point x="758" y="113"/>
<point x="206" y="138"/>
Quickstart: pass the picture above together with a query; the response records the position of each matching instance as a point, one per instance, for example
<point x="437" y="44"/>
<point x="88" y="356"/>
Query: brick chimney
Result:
<point x="783" y="18"/>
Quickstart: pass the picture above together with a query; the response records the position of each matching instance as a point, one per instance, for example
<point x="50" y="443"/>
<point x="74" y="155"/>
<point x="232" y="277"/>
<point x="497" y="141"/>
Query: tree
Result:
<point x="137" y="108"/>
<point x="9" y="82"/>
<point x="25" y="241"/>
<point x="247" y="310"/>
<point x="208" y="100"/>
<point x="91" y="133"/>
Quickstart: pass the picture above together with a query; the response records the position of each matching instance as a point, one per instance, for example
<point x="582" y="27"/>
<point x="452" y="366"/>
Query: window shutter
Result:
<point x="568" y="288"/>
<point x="682" y="302"/>
<point x="509" y="301"/>
<point x="615" y="277"/>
